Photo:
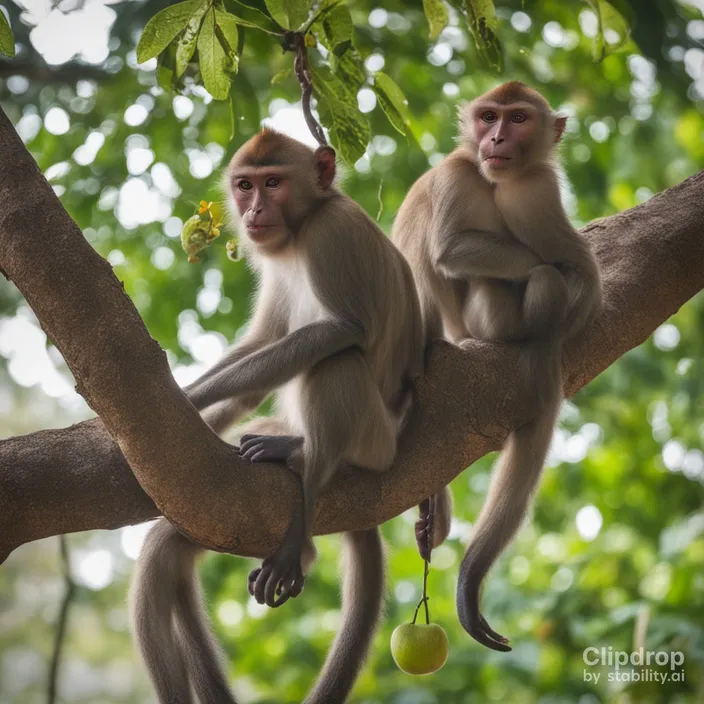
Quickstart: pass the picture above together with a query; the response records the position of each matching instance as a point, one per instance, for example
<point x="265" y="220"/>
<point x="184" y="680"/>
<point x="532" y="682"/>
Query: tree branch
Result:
<point x="652" y="260"/>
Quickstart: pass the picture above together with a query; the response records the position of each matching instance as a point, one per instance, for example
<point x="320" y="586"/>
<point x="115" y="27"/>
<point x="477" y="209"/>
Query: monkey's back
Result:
<point x="374" y="286"/>
<point x="413" y="233"/>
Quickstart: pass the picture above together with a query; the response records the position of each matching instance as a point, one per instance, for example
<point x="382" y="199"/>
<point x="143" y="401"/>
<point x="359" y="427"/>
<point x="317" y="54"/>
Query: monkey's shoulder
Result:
<point x="343" y="222"/>
<point x="458" y="167"/>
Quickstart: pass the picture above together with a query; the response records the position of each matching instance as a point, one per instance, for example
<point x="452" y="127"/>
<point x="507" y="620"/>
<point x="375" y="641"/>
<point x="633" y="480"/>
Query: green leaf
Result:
<point x="186" y="45"/>
<point x="336" y="26"/>
<point x="166" y="68"/>
<point x="281" y="76"/>
<point x="290" y="14"/>
<point x="163" y="28"/>
<point x="481" y="20"/>
<point x="212" y="59"/>
<point x="247" y="16"/>
<point x="338" y="110"/>
<point x="226" y="28"/>
<point x="608" y="18"/>
<point x="334" y="30"/>
<point x="393" y="102"/>
<point x="437" y="15"/>
<point x="323" y="8"/>
<point x="7" y="41"/>
<point x="349" y="68"/>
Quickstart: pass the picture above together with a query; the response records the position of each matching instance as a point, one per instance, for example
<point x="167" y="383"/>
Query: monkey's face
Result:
<point x="263" y="197"/>
<point x="506" y="136"/>
<point x="275" y="182"/>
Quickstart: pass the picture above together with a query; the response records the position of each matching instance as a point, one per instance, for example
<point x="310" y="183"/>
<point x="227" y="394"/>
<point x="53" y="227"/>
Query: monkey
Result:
<point x="336" y="335"/>
<point x="495" y="258"/>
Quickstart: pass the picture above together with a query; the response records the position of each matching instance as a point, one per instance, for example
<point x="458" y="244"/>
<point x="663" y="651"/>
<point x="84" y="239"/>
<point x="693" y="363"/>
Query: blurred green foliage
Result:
<point x="613" y="556"/>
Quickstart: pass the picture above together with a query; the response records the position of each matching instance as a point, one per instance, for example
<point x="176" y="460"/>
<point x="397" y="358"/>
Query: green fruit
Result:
<point x="419" y="649"/>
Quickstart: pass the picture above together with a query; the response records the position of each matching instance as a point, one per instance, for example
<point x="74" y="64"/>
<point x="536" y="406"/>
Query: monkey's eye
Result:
<point x="273" y="182"/>
<point x="245" y="185"/>
<point x="489" y="116"/>
<point x="519" y="118"/>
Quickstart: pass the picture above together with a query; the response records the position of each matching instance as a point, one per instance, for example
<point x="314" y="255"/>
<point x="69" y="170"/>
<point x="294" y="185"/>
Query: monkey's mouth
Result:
<point x="258" y="231"/>
<point x="495" y="160"/>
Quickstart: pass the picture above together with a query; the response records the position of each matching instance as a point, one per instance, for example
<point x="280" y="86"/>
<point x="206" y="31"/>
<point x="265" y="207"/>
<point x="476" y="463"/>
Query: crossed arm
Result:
<point x="267" y="368"/>
<point x="468" y="252"/>
<point x="461" y="247"/>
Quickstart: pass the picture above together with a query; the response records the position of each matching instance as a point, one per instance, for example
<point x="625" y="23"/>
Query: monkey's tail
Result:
<point x="514" y="481"/>
<point x="362" y="601"/>
<point x="170" y="624"/>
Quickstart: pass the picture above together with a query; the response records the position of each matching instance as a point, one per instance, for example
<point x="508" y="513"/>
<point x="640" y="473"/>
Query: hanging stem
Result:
<point x="59" y="638"/>
<point x="426" y="564"/>
<point x="296" y="42"/>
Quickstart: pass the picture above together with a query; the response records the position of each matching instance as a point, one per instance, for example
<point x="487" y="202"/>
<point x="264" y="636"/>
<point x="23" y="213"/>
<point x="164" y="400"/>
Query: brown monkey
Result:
<point x="336" y="332"/>
<point x="495" y="258"/>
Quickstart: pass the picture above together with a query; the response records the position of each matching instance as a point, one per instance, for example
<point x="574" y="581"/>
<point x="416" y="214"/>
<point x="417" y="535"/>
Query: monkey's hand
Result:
<point x="434" y="520"/>
<point x="468" y="588"/>
<point x="280" y="577"/>
<point x="424" y="529"/>
<point x="270" y="448"/>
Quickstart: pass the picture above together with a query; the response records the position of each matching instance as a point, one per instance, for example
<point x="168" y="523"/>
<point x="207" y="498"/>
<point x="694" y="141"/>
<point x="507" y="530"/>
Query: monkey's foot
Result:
<point x="269" y="448"/>
<point x="279" y="579"/>
<point x="471" y="618"/>
<point x="424" y="529"/>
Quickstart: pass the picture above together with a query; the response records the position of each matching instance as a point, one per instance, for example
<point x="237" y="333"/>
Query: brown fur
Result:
<point x="336" y="334"/>
<point x="500" y="261"/>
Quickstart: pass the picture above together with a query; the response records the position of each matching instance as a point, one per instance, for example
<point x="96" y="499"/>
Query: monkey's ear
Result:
<point x="560" y="124"/>
<point x="325" y="161"/>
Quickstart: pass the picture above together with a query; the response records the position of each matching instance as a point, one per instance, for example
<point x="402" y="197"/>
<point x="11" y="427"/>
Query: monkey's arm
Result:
<point x="463" y="253"/>
<point x="533" y="211"/>
<point x="468" y="236"/>
<point x="268" y="368"/>
<point x="268" y="323"/>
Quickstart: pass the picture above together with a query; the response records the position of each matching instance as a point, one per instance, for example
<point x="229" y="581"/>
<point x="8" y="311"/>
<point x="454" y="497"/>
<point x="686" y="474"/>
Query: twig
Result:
<point x="379" y="199"/>
<point x="62" y="621"/>
<point x="295" y="41"/>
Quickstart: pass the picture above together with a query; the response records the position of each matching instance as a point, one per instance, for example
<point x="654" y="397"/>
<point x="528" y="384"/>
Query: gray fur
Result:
<point x="336" y="333"/>
<point x="500" y="261"/>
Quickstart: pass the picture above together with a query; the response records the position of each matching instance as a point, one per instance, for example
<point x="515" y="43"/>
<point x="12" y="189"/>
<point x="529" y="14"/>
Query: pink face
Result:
<point x="504" y="133"/>
<point x="261" y="194"/>
<point x="271" y="204"/>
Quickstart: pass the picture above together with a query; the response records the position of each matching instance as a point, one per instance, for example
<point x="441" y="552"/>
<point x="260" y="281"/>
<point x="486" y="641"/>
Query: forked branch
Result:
<point x="59" y="481"/>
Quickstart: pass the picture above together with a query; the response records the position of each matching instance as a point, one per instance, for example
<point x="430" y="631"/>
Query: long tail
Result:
<point x="362" y="600"/>
<point x="170" y="625"/>
<point x="515" y="479"/>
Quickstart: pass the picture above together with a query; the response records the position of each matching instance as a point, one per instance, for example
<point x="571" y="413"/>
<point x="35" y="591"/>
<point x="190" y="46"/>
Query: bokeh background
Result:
<point x="613" y="556"/>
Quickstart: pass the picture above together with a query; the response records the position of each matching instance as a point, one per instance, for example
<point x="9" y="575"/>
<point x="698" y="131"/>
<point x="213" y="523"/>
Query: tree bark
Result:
<point x="652" y="260"/>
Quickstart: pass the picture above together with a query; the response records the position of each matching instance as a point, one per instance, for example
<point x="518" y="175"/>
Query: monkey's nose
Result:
<point x="497" y="141"/>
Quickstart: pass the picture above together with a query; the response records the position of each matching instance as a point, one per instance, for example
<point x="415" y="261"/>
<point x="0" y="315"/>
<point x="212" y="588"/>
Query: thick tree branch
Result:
<point x="56" y="481"/>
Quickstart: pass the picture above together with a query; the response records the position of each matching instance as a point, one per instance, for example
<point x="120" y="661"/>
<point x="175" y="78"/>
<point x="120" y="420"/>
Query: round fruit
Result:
<point x="419" y="649"/>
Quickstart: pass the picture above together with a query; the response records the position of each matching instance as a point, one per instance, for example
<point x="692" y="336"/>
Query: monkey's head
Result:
<point x="510" y="129"/>
<point x="275" y="182"/>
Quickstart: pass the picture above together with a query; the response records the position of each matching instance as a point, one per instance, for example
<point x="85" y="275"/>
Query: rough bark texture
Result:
<point x="652" y="258"/>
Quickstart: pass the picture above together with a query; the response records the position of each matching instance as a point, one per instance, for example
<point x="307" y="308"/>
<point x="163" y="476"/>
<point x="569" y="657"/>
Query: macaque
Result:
<point x="336" y="334"/>
<point x="495" y="258"/>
